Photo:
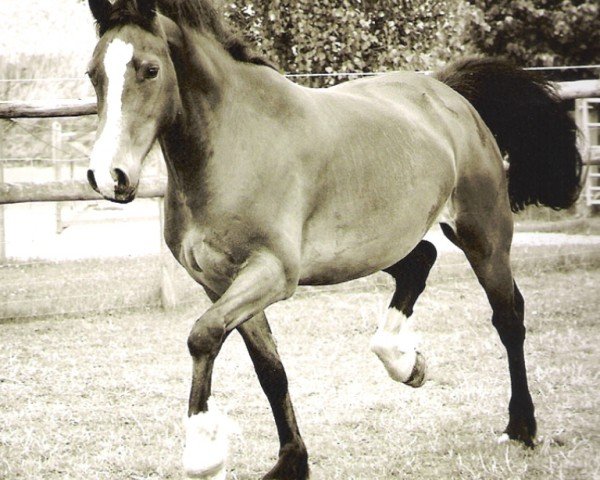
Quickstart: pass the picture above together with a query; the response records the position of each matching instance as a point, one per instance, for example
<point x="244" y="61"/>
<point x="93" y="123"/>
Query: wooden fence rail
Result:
<point x="578" y="89"/>
<point x="151" y="187"/>
<point x="49" y="108"/>
<point x="87" y="106"/>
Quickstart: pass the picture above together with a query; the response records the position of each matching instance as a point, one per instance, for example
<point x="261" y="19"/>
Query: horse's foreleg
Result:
<point x="393" y="343"/>
<point x="259" y="283"/>
<point x="293" y="459"/>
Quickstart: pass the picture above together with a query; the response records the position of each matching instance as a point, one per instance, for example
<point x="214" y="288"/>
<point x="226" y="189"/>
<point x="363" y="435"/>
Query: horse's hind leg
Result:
<point x="392" y="343"/>
<point x="293" y="461"/>
<point x="486" y="240"/>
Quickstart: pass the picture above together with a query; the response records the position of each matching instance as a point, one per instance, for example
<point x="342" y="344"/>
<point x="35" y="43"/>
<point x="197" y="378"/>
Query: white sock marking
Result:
<point x="395" y="345"/>
<point x="206" y="444"/>
<point x="118" y="55"/>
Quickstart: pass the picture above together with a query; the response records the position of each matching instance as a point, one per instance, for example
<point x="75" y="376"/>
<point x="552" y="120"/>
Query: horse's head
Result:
<point x="136" y="87"/>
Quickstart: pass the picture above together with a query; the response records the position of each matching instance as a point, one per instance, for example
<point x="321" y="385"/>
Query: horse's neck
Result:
<point x="201" y="67"/>
<point x="217" y="92"/>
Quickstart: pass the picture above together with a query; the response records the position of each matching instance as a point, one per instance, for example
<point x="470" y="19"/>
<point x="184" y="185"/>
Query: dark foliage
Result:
<point x="353" y="35"/>
<point x="540" y="33"/>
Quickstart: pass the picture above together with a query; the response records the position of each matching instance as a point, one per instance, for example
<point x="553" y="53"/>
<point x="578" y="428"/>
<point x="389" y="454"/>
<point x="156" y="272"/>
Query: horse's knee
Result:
<point x="519" y="301"/>
<point x="417" y="264"/>
<point x="207" y="335"/>
<point x="428" y="254"/>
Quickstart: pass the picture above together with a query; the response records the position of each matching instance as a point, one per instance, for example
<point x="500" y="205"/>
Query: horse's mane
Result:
<point x="199" y="15"/>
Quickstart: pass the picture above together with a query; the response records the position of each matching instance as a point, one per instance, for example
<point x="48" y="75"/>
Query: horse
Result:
<point x="272" y="185"/>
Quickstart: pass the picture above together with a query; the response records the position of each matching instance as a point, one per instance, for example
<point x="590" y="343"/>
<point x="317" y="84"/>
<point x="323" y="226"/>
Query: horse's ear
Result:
<point x="147" y="8"/>
<point x="172" y="32"/>
<point x="100" y="10"/>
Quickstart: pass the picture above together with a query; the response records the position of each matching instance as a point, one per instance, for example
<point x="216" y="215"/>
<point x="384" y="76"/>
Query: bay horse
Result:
<point x="272" y="185"/>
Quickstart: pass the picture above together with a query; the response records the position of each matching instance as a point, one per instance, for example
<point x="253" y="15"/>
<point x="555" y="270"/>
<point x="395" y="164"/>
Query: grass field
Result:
<point x="103" y="396"/>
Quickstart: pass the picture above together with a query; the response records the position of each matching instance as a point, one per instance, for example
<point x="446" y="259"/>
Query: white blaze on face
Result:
<point x="118" y="55"/>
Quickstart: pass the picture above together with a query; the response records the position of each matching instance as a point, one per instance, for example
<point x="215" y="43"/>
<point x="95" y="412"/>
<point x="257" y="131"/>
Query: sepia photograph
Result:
<point x="293" y="240"/>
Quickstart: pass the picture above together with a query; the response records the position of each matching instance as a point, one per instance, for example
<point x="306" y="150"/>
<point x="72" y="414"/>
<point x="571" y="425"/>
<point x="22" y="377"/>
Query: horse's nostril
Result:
<point x="120" y="177"/>
<point x="92" y="179"/>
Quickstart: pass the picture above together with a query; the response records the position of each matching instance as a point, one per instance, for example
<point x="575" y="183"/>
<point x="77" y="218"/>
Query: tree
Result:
<point x="303" y="36"/>
<point x="540" y="32"/>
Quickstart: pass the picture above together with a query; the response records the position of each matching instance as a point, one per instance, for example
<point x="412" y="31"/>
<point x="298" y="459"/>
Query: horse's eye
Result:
<point x="151" y="71"/>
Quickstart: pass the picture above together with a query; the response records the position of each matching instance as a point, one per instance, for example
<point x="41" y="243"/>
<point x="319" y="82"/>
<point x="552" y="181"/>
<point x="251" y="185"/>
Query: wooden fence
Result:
<point x="69" y="191"/>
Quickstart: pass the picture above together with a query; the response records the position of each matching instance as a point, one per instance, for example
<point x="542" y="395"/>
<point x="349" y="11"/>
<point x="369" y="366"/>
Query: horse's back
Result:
<point x="408" y="91"/>
<point x="415" y="109"/>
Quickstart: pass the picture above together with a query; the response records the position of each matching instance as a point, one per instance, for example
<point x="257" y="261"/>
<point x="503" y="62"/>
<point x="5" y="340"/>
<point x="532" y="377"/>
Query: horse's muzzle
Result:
<point x="120" y="190"/>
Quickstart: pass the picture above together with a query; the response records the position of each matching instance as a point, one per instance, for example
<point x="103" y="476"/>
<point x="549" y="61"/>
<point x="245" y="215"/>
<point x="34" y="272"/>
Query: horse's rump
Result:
<point x="531" y="125"/>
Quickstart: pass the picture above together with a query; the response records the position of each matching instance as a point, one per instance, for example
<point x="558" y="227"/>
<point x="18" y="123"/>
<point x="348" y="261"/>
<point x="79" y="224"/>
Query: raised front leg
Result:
<point x="261" y="282"/>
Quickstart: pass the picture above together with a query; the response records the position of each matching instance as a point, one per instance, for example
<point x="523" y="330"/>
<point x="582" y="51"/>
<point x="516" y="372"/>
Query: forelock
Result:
<point x="125" y="12"/>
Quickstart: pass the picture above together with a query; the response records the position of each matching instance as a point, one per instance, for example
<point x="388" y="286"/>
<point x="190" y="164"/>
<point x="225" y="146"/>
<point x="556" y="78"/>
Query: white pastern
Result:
<point x="206" y="445"/>
<point x="395" y="345"/>
<point x="118" y="55"/>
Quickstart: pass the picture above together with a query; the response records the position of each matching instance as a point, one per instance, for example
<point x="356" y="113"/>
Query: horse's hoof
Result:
<point x="399" y="357"/>
<point x="291" y="465"/>
<point x="218" y="473"/>
<point x="505" y="438"/>
<point x="520" y="430"/>
<point x="417" y="377"/>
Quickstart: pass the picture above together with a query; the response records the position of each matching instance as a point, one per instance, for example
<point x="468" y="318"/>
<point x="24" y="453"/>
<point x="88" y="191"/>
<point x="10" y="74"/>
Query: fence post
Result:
<point x="168" y="294"/>
<point x="56" y="149"/>
<point x="2" y="224"/>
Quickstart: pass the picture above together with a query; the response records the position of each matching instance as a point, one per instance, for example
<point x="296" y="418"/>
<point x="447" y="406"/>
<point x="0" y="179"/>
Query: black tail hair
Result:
<point x="530" y="124"/>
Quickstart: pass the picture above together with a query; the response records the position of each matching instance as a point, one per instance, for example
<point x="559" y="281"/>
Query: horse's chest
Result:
<point x="196" y="244"/>
<point x="206" y="259"/>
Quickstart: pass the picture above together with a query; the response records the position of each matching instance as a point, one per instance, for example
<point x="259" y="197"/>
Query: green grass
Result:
<point x="102" y="396"/>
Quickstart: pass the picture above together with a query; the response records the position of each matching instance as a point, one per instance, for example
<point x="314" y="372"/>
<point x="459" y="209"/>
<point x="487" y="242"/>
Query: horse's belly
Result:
<point x="329" y="263"/>
<point x="363" y="239"/>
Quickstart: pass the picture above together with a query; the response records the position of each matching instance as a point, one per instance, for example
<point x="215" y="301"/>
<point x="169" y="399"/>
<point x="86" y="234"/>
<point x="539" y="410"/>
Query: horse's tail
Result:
<point x="530" y="124"/>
